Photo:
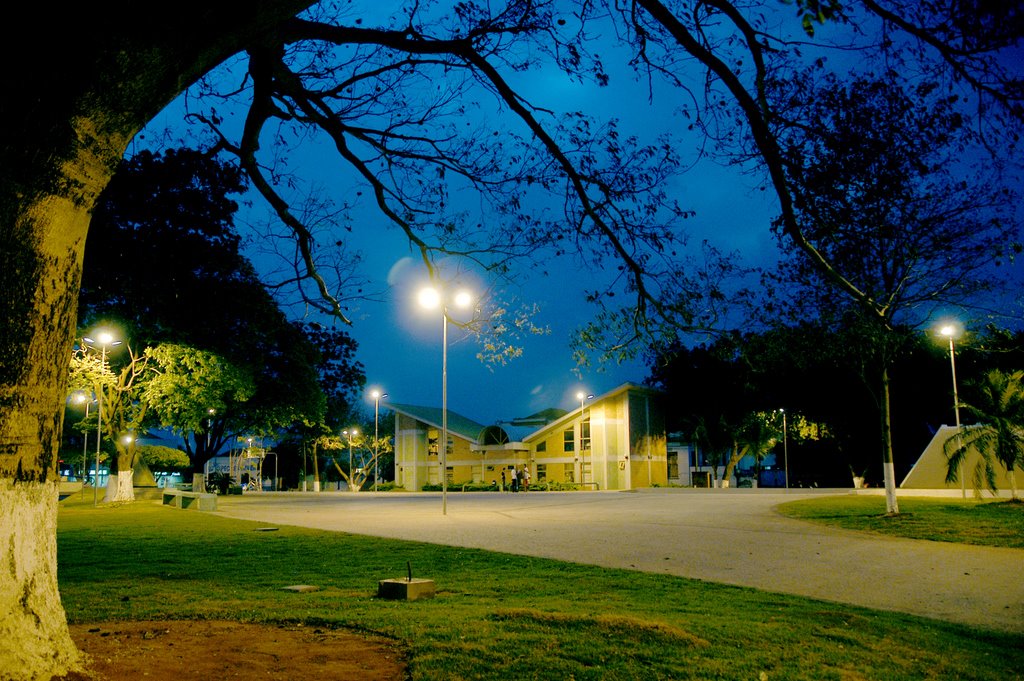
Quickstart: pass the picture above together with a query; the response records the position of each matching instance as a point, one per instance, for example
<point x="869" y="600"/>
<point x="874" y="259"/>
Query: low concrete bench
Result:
<point x="200" y="501"/>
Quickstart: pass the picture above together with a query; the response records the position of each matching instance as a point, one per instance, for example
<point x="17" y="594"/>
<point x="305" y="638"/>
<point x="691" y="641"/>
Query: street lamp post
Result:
<point x="80" y="397"/>
<point x="430" y="299"/>
<point x="351" y="476"/>
<point x="583" y="397"/>
<point x="949" y="331"/>
<point x="785" y="446"/>
<point x="103" y="339"/>
<point x="209" y="427"/>
<point x="377" y="397"/>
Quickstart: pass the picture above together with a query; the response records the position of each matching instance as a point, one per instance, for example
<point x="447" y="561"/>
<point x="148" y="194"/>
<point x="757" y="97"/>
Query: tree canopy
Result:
<point x="166" y="262"/>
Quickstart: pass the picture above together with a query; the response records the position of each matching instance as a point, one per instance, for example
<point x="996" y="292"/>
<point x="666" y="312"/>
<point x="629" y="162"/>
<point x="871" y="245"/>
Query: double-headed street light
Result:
<point x="377" y="397"/>
<point x="431" y="299"/>
<point x="950" y="331"/>
<point x="104" y="339"/>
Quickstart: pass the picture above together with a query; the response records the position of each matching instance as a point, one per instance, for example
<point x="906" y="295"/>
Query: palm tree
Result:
<point x="998" y="435"/>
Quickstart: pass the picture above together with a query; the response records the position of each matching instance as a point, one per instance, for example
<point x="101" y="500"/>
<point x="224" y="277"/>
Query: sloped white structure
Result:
<point x="930" y="470"/>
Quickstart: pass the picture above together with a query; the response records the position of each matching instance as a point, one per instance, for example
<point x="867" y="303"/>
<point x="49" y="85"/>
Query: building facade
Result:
<point x="616" y="441"/>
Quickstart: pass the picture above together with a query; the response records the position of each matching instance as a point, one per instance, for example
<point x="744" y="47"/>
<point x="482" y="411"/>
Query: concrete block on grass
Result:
<point x="405" y="589"/>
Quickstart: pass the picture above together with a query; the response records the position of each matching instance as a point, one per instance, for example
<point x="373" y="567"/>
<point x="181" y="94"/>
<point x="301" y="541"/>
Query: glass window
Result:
<point x="568" y="440"/>
<point x="585" y="435"/>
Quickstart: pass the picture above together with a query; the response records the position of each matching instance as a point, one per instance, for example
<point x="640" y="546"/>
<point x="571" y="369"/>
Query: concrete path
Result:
<point x="728" y="536"/>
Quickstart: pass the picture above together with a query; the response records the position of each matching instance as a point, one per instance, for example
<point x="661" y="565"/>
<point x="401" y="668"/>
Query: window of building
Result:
<point x="449" y="474"/>
<point x="568" y="440"/>
<point x="542" y="472"/>
<point x="433" y="438"/>
<point x="542" y="447"/>
<point x="585" y="435"/>
<point x="570" y="472"/>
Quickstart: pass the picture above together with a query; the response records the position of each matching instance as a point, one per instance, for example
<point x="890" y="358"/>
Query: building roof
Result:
<point x="517" y="430"/>
<point x="541" y="418"/>
<point x="466" y="428"/>
<point x="571" y="416"/>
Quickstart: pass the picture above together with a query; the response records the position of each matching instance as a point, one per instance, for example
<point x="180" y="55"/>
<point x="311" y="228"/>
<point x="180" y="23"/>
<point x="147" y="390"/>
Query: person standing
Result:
<point x="515" y="480"/>
<point x="526" y="478"/>
<point x="502" y="479"/>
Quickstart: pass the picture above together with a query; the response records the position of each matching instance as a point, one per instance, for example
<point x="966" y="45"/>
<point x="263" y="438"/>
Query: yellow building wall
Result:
<point x="416" y="467"/>
<point x="608" y="430"/>
<point x="411" y="459"/>
<point x="648" y="445"/>
<point x="561" y="466"/>
<point x="621" y="455"/>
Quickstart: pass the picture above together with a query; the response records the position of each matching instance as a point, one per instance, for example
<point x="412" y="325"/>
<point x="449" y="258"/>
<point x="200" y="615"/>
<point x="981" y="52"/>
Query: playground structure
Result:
<point x="247" y="468"/>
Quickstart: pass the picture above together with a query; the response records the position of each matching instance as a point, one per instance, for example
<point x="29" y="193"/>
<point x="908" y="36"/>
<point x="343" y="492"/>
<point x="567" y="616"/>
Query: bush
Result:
<point x="218" y="482"/>
<point x="461" y="487"/>
<point x="555" y="486"/>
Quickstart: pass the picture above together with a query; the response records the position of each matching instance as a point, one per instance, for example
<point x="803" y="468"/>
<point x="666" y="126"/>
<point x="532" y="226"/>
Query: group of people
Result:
<point x="520" y="479"/>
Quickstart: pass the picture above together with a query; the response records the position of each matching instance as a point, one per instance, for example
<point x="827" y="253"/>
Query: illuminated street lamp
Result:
<point x="950" y="331"/>
<point x="377" y="397"/>
<point x="209" y="427"/>
<point x="104" y="339"/>
<point x="431" y="298"/>
<point x="350" y="434"/>
<point x="583" y="397"/>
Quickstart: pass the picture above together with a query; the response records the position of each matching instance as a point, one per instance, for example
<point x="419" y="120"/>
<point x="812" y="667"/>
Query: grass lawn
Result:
<point x="496" y="616"/>
<point x="989" y="522"/>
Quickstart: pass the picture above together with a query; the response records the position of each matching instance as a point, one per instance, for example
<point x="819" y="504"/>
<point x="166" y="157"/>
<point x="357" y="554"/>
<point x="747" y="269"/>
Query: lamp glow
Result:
<point x="429" y="298"/>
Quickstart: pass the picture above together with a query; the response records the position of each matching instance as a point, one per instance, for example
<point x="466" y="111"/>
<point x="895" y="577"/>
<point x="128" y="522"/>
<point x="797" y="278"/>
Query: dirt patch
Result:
<point x="184" y="649"/>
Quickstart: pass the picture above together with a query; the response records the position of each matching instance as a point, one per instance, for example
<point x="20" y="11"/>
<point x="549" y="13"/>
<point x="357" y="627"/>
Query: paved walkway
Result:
<point x="728" y="536"/>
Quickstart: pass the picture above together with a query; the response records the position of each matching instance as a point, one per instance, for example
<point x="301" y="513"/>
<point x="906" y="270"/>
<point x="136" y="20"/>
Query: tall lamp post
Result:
<point x="80" y="397"/>
<point x="785" y="447"/>
<point x="209" y="427"/>
<point x="949" y="331"/>
<point x="350" y="434"/>
<point x="583" y="397"/>
<point x="431" y="299"/>
<point x="104" y="339"/>
<point x="377" y="397"/>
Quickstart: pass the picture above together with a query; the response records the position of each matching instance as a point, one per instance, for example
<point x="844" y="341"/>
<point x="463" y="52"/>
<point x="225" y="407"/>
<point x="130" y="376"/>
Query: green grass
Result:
<point x="496" y="616"/>
<point x="987" y="523"/>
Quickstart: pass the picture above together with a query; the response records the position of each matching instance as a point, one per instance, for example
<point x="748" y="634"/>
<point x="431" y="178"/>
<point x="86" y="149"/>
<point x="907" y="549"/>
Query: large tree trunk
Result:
<point x="78" y="84"/>
<point x="121" y="481"/>
<point x="43" y="240"/>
